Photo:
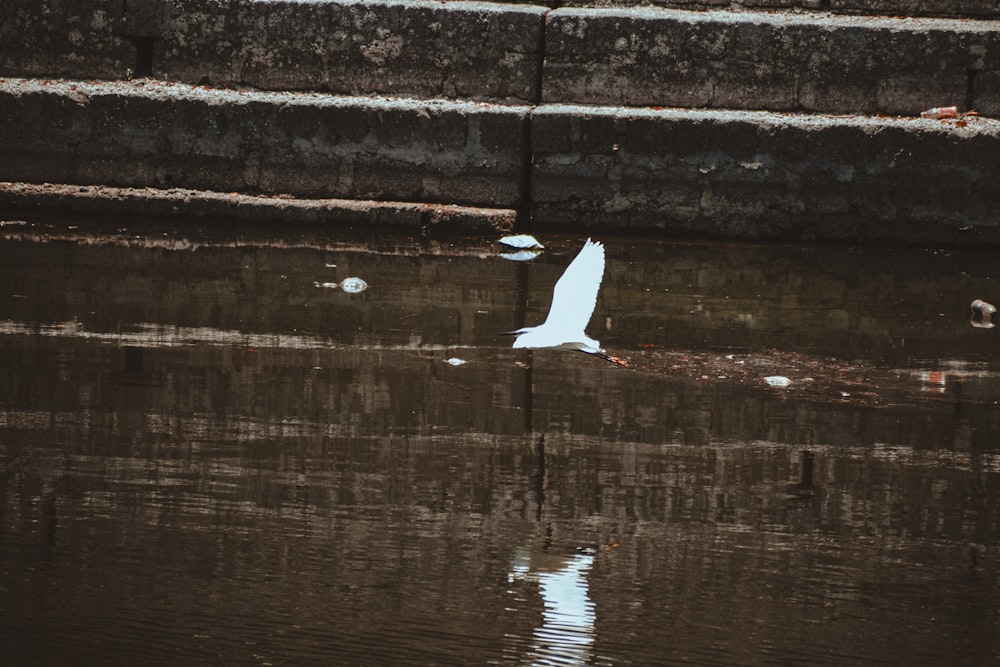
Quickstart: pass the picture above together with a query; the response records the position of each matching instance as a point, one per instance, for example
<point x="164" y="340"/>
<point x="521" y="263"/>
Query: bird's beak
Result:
<point x="508" y="333"/>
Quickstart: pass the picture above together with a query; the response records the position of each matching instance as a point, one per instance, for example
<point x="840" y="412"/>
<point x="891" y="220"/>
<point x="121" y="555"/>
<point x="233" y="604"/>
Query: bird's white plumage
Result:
<point x="573" y="300"/>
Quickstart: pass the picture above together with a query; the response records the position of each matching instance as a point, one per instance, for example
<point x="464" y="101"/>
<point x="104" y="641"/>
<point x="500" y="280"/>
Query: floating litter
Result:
<point x="777" y="381"/>
<point x="982" y="314"/>
<point x="521" y="241"/>
<point x="938" y="113"/>
<point x="455" y="361"/>
<point x="353" y="285"/>
<point x="349" y="285"/>
<point x="521" y="255"/>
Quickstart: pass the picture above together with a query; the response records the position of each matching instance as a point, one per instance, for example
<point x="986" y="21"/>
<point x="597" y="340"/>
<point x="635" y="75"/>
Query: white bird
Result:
<point x="573" y="300"/>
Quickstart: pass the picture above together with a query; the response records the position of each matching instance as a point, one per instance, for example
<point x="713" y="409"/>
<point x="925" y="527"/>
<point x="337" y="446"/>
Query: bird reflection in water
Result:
<point x="566" y="635"/>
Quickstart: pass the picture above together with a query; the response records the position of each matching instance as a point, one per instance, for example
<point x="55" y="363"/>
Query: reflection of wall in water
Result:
<point x="833" y="301"/>
<point x="386" y="391"/>
<point x="662" y="450"/>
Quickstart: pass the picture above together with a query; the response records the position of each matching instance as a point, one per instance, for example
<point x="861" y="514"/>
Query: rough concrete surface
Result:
<point x="147" y="133"/>
<point x="970" y="8"/>
<point x="626" y="161"/>
<point x="810" y="60"/>
<point x="760" y="174"/>
<point x="63" y="38"/>
<point x="146" y="202"/>
<point x="470" y="50"/>
<point x="456" y="49"/>
<point x="963" y="8"/>
<point x="755" y="60"/>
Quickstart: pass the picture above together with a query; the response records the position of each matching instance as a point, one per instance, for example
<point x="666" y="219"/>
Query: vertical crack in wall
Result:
<point x="527" y="158"/>
<point x="143" y="23"/>
<point x="970" y="89"/>
<point x="540" y="51"/>
<point x="527" y="146"/>
<point x="143" y="56"/>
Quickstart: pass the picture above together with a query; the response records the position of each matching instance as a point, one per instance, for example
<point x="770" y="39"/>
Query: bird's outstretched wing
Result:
<point x="575" y="293"/>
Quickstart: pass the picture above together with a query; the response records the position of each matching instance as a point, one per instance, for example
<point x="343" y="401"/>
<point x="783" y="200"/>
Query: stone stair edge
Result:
<point x="945" y="8"/>
<point x="749" y="174"/>
<point x="80" y="91"/>
<point x="565" y="76"/>
<point x="582" y="176"/>
<point x="147" y="201"/>
<point x="779" y="62"/>
<point x="973" y="9"/>
<point x="823" y="16"/>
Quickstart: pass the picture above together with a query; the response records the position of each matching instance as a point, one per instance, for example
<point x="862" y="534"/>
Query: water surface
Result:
<point x="207" y="459"/>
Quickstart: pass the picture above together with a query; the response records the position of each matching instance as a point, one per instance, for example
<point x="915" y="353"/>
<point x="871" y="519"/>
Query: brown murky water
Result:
<point x="205" y="458"/>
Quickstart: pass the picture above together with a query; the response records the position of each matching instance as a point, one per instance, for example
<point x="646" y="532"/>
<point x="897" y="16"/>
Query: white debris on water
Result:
<point x="521" y="255"/>
<point x="777" y="381"/>
<point x="351" y="285"/>
<point x="521" y="241"/>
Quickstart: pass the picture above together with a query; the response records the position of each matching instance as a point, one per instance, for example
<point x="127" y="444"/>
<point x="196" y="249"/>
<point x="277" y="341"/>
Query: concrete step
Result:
<point x="773" y="61"/>
<point x="642" y="118"/>
<point x="153" y="134"/>
<point x="633" y="56"/>
<point x="719" y="173"/>
<point x="944" y="8"/>
<point x="149" y="202"/>
<point x="468" y="50"/>
<point x="757" y="174"/>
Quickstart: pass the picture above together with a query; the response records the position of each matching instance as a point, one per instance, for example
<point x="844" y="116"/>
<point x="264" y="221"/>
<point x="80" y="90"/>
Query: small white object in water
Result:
<point x="353" y="285"/>
<point x="777" y="381"/>
<point x="521" y="241"/>
<point x="349" y="285"/>
<point x="521" y="255"/>
<point x="455" y="361"/>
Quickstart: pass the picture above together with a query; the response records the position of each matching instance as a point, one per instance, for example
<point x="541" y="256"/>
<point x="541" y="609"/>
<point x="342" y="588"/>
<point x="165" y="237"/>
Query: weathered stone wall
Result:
<point x="459" y="50"/>
<point x="63" y="38"/>
<point x="764" y="174"/>
<point x="482" y="51"/>
<point x="454" y="50"/>
<point x="148" y="133"/>
<point x="960" y="8"/>
<point x="147" y="202"/>
<point x="480" y="104"/>
<point x="757" y="60"/>
<point x="971" y="8"/>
